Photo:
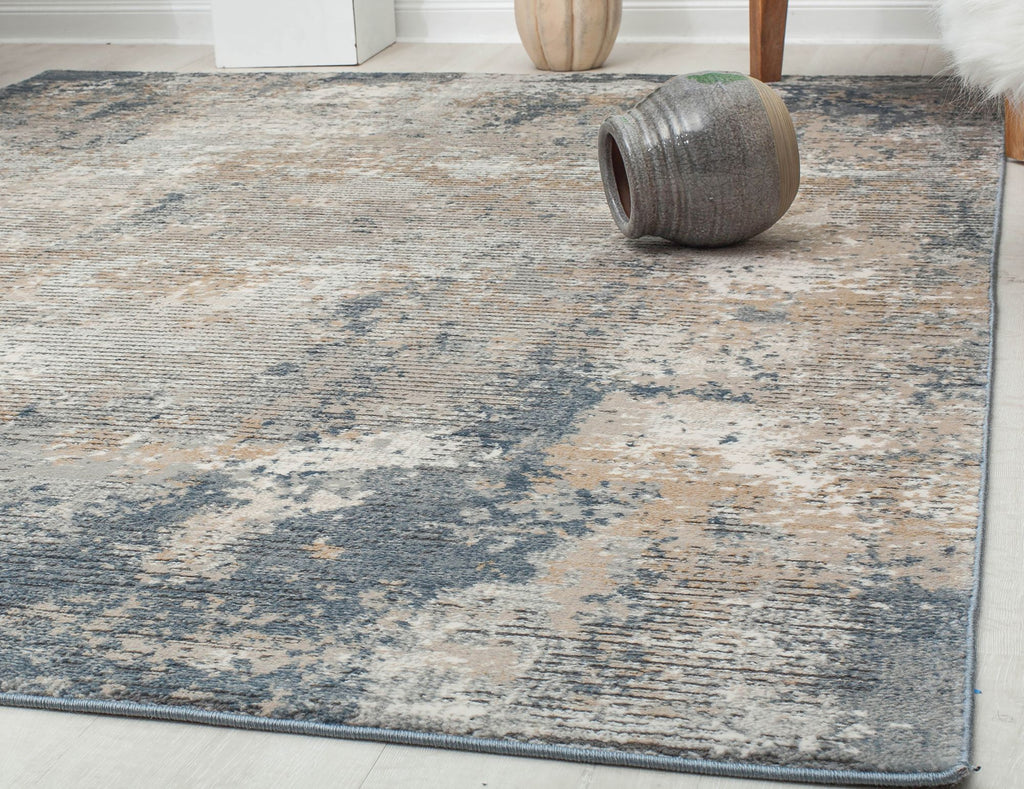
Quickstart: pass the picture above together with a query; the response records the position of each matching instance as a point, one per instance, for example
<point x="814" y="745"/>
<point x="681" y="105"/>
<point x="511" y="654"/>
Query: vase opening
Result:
<point x="619" y="174"/>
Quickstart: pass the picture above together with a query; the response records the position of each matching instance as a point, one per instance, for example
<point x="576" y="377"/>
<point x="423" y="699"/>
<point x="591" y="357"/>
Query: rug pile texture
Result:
<point x="337" y="404"/>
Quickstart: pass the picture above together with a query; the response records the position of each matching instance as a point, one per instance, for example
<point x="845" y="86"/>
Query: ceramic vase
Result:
<point x="706" y="160"/>
<point x="568" y="35"/>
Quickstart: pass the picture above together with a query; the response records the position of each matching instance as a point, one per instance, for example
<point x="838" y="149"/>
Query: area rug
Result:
<point x="336" y="404"/>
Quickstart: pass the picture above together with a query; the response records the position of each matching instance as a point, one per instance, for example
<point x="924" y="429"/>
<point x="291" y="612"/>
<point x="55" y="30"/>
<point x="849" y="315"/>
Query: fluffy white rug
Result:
<point x="986" y="40"/>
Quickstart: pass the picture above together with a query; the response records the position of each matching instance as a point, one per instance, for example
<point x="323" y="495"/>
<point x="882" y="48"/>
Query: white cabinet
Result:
<point x="300" y="32"/>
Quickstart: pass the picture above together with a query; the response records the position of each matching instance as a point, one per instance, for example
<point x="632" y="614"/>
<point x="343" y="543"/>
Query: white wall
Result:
<point x="189" y="21"/>
<point x="683" y="20"/>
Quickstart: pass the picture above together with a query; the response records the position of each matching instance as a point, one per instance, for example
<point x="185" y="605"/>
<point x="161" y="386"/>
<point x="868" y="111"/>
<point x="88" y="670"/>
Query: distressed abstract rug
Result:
<point x="337" y="404"/>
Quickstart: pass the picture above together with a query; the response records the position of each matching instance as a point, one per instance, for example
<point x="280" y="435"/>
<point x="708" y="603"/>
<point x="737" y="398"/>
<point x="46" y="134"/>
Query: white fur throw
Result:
<point x="986" y="40"/>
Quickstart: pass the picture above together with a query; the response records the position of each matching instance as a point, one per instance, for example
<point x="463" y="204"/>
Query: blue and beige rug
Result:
<point x="337" y="404"/>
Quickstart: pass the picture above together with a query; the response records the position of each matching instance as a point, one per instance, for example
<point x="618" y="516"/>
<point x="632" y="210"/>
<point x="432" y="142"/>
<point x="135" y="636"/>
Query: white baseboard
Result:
<point x="817" y="21"/>
<point x="131" y="22"/>
<point x="481" y="21"/>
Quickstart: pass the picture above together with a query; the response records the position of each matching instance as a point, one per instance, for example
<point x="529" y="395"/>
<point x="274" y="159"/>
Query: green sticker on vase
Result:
<point x="708" y="77"/>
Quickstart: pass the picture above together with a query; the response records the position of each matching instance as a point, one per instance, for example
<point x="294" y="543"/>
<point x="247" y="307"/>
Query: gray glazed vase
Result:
<point x="706" y="160"/>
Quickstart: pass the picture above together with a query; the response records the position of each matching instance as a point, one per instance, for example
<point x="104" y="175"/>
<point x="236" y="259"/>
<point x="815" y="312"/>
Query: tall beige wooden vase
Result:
<point x="568" y="35"/>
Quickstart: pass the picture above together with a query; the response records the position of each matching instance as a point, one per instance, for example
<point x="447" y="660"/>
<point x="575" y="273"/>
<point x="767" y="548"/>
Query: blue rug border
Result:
<point x="948" y="777"/>
<point x="979" y="540"/>
<point x="132" y="709"/>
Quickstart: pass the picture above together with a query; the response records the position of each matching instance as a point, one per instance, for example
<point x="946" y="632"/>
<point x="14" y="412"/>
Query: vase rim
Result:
<point x="623" y="176"/>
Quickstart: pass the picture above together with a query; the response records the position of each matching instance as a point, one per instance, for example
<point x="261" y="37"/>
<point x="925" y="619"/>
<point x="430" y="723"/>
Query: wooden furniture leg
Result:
<point x="767" y="38"/>
<point x="1014" y="131"/>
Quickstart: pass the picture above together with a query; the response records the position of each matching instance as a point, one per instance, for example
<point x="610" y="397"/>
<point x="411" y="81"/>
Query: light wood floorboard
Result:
<point x="52" y="750"/>
<point x="19" y="61"/>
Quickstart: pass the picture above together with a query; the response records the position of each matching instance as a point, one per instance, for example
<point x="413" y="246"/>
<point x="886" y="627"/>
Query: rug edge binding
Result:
<point x="609" y="757"/>
<point x="979" y="540"/>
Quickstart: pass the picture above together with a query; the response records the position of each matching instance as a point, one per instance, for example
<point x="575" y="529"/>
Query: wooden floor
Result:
<point x="58" y="750"/>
